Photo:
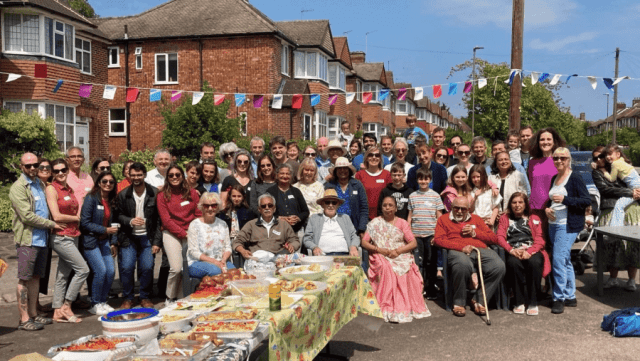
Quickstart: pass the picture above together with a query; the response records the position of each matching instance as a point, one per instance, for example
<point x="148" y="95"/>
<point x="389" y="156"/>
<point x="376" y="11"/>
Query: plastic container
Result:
<point x="321" y="260"/>
<point x="249" y="288"/>
<point x="291" y="273"/>
<point x="126" y="322"/>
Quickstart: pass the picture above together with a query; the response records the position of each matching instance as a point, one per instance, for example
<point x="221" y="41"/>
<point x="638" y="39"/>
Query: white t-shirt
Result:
<point x="561" y="211"/>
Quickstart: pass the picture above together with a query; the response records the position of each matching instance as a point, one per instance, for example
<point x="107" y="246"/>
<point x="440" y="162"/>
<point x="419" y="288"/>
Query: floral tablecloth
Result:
<point x="302" y="332"/>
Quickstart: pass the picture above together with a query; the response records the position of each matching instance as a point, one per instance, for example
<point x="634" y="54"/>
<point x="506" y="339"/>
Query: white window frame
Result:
<point x="138" y="58"/>
<point x="321" y="64"/>
<point x="117" y="63"/>
<point x="82" y="52"/>
<point x="374" y="88"/>
<point x="244" y="124"/>
<point x="307" y="126"/>
<point x="284" y="59"/>
<point x="340" y="73"/>
<point x="404" y="104"/>
<point x="321" y="124"/>
<point x="166" y="55"/>
<point x="118" y="121"/>
<point x="333" y="132"/>
<point x="358" y="90"/>
<point x="386" y="103"/>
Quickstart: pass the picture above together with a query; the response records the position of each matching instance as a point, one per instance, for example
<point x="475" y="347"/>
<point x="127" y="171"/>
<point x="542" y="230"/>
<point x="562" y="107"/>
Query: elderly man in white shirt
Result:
<point x="329" y="233"/>
<point x="156" y="176"/>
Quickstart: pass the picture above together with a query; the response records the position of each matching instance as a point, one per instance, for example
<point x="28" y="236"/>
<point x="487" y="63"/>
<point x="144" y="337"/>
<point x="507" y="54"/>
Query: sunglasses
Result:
<point x="104" y="169"/>
<point x="31" y="165"/>
<point x="557" y="159"/>
<point x="401" y="150"/>
<point x="374" y="155"/>
<point x="226" y="155"/>
<point x="460" y="209"/>
<point x="243" y="162"/>
<point x="212" y="205"/>
<point x="268" y="165"/>
<point x="443" y="156"/>
<point x="595" y="159"/>
<point x="108" y="181"/>
<point x="174" y="175"/>
<point x="45" y="168"/>
<point x="466" y="153"/>
<point x="58" y="171"/>
<point x="455" y="144"/>
<point x="331" y="203"/>
<point x="309" y="154"/>
<point x="266" y="206"/>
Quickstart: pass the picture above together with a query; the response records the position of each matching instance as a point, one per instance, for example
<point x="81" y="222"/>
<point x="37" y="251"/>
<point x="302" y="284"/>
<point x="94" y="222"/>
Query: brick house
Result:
<point x="374" y="79"/>
<point x="49" y="32"/>
<point x="627" y="117"/>
<point x="404" y="108"/>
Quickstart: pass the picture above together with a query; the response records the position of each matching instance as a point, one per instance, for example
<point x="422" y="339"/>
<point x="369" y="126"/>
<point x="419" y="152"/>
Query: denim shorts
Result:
<point x="32" y="262"/>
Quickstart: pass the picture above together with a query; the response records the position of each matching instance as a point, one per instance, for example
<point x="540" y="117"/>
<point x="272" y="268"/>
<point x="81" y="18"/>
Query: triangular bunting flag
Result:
<point x="468" y="86"/>
<point x="366" y="97"/>
<point x="608" y="83"/>
<point x="555" y="79"/>
<point x="593" y="81"/>
<point x="175" y="95"/>
<point x="132" y="95"/>
<point x="277" y="101"/>
<point x="620" y="79"/>
<point x="40" y="71"/>
<point x="257" y="101"/>
<point x="218" y="99"/>
<point x="419" y="93"/>
<point x="524" y="86"/>
<point x="569" y="77"/>
<point x="437" y="91"/>
<point x="154" y="95"/>
<point x="384" y="93"/>
<point x="13" y="77"/>
<point x="453" y="88"/>
<point x="333" y="98"/>
<point x="534" y="77"/>
<point x="109" y="92"/>
<point x="197" y="97"/>
<point x="512" y="75"/>
<point x="240" y="98"/>
<point x="57" y="87"/>
<point x="85" y="90"/>
<point x="296" y="101"/>
<point x="402" y="93"/>
<point x="543" y="77"/>
<point x="349" y="98"/>
<point x="482" y="82"/>
<point x="315" y="99"/>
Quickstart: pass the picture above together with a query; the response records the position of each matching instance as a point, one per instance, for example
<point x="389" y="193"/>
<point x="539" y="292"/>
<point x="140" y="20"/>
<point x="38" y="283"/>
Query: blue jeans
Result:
<point x="564" y="278"/>
<point x="200" y="269"/>
<point x="101" y="263"/>
<point x="139" y="250"/>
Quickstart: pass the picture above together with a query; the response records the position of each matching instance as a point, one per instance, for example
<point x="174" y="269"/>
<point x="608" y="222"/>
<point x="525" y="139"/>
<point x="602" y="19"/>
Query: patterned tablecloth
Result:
<point x="302" y="332"/>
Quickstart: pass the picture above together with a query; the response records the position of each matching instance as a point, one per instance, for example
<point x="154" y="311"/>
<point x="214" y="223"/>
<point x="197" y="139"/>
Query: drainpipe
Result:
<point x="201" y="71"/>
<point x="126" y="80"/>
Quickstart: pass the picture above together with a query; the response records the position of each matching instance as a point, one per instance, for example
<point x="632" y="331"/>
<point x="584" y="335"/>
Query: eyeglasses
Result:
<point x="268" y="165"/>
<point x="174" y="175"/>
<point x="455" y="144"/>
<point x="595" y="159"/>
<point x="104" y="169"/>
<point x="227" y="155"/>
<point x="45" y="168"/>
<point x="331" y="203"/>
<point x="266" y="206"/>
<point x="443" y="156"/>
<point x="374" y="155"/>
<point x="243" y="162"/>
<point x="309" y="154"/>
<point x="460" y="209"/>
<point x="108" y="181"/>
<point x="401" y="150"/>
<point x="75" y="157"/>
<point x="212" y="205"/>
<point x="557" y="159"/>
<point x="31" y="165"/>
<point x="58" y="171"/>
<point x="464" y="153"/>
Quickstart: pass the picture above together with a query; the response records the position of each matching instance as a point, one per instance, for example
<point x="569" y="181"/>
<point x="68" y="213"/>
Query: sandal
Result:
<point x="43" y="320"/>
<point x="30" y="325"/>
<point x="478" y="309"/>
<point x="519" y="310"/>
<point x="72" y="319"/>
<point x="532" y="311"/>
<point x="459" y="311"/>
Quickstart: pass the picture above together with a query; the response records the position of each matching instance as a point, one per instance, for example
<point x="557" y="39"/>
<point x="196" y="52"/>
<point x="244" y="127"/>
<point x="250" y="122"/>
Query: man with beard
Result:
<point x="139" y="238"/>
<point x="460" y="232"/>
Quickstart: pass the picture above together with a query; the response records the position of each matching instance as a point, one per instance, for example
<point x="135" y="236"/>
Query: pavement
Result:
<point x="573" y="335"/>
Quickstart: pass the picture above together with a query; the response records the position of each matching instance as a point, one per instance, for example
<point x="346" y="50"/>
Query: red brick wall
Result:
<point x="372" y="113"/>
<point x="354" y="109"/>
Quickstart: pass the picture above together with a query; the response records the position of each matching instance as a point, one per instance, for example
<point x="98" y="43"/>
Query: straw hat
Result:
<point x="334" y="144"/>
<point x="330" y="194"/>
<point x="341" y="163"/>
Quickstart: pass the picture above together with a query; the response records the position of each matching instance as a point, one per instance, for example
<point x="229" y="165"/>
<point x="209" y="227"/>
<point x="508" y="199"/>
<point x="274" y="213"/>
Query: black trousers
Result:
<point x="524" y="277"/>
<point x="426" y="257"/>
<point x="462" y="266"/>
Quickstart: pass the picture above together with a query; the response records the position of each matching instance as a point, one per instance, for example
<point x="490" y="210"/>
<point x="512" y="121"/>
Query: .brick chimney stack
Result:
<point x="635" y="101"/>
<point x="583" y="117"/>
<point x="358" y="57"/>
<point x="621" y="106"/>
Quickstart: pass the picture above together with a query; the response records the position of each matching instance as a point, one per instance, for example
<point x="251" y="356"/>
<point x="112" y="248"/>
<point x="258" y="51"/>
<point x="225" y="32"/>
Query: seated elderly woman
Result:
<point x="394" y="276"/>
<point x="331" y="233"/>
<point x="520" y="234"/>
<point x="208" y="236"/>
<point x="266" y="233"/>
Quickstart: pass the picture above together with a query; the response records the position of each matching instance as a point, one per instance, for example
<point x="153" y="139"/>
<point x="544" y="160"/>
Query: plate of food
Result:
<point x="312" y="272"/>
<point x="228" y="315"/>
<point x="299" y="285"/>
<point x="236" y="329"/>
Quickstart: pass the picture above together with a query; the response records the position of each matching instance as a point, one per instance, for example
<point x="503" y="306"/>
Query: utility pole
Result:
<point x="605" y="119"/>
<point x="615" y="98"/>
<point x="473" y="93"/>
<point x="517" y="30"/>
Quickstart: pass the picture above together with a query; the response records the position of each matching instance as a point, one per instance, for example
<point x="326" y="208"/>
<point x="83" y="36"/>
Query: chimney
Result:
<point x="583" y="117"/>
<point x="636" y="101"/>
<point x="621" y="106"/>
<point x="358" y="57"/>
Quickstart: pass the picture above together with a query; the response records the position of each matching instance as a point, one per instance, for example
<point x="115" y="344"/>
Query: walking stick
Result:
<point x="484" y="291"/>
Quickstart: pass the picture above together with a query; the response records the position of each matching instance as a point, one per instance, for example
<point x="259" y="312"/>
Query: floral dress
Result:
<point x="311" y="193"/>
<point x="397" y="283"/>
<point x="209" y="239"/>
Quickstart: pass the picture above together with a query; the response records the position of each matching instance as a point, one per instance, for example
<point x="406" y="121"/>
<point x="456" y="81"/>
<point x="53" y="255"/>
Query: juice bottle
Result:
<point x="275" y="301"/>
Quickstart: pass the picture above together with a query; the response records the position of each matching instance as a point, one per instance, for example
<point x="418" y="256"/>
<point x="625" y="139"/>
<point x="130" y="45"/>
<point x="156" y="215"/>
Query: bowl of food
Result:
<point x="321" y="260"/>
<point x="312" y="272"/>
<point x="143" y="322"/>
<point x="174" y="321"/>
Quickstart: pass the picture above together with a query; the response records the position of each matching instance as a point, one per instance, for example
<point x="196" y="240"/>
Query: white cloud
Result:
<point x="538" y="13"/>
<point x="558" y="44"/>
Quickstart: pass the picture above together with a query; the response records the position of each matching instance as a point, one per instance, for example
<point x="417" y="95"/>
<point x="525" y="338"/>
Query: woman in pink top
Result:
<point x="457" y="186"/>
<point x="177" y="207"/>
<point x="373" y="178"/>
<point x="541" y="170"/>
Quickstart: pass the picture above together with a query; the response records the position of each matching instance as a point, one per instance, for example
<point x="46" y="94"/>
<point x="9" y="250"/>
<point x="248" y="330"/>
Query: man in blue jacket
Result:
<point x="438" y="171"/>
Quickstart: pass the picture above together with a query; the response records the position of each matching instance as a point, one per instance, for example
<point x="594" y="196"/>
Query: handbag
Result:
<point x="622" y="323"/>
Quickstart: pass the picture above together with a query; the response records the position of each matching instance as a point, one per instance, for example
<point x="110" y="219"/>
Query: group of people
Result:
<point x="397" y="205"/>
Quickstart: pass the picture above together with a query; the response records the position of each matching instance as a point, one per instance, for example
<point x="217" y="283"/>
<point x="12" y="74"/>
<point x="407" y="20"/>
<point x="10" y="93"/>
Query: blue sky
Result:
<point x="422" y="40"/>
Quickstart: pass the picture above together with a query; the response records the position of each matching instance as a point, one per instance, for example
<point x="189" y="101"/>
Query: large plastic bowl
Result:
<point x="321" y="260"/>
<point x="125" y="322"/>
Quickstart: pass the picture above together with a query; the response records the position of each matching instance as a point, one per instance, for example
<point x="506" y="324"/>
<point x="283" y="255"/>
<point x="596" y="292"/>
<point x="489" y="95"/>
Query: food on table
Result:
<point x="310" y="286"/>
<point x="286" y="301"/>
<point x="209" y="291"/>
<point x="315" y="268"/>
<point x="227" y="326"/>
<point x="288" y="287"/>
<point x="232" y="315"/>
<point x="298" y="282"/>
<point x="172" y="318"/>
<point x="302" y="269"/>
<point x="98" y="343"/>
<point x="206" y="336"/>
<point x="133" y="315"/>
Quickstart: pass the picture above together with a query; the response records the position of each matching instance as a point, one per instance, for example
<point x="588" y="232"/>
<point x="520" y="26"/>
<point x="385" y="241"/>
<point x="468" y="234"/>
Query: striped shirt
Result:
<point x="423" y="206"/>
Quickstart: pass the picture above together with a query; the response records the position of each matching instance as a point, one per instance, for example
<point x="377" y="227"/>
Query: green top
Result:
<point x="24" y="217"/>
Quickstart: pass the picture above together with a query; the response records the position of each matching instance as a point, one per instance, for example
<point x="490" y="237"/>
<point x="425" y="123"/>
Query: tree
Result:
<point x="83" y="7"/>
<point x="188" y="126"/>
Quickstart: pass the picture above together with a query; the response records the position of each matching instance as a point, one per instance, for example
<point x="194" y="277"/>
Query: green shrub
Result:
<point x="6" y="215"/>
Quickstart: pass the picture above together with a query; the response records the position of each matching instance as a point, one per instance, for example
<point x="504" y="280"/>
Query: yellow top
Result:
<point x="619" y="169"/>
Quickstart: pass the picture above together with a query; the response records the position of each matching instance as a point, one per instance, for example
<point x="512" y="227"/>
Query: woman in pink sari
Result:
<point x="394" y="276"/>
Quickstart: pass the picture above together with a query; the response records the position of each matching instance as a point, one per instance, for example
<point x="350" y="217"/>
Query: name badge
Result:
<point x="67" y="198"/>
<point x="379" y="180"/>
<point x="404" y="200"/>
<point x="291" y="196"/>
<point x="100" y="207"/>
<point x="536" y="222"/>
<point x="88" y="189"/>
<point x="248" y="189"/>
<point x="427" y="203"/>
<point x="355" y="193"/>
<point x="36" y="198"/>
<point x="184" y="203"/>
<point x="276" y="233"/>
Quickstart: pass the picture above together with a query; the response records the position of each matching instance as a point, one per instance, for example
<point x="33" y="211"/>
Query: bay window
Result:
<point x="311" y="64"/>
<point x="337" y="77"/>
<point x="358" y="90"/>
<point x="334" y="126"/>
<point x="83" y="55"/>
<point x="321" y="124"/>
<point x="39" y="35"/>
<point x="284" y="60"/>
<point x="401" y="107"/>
<point x="63" y="115"/>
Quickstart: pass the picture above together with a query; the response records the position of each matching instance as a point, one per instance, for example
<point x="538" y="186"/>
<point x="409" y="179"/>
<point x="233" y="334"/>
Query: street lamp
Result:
<point x="473" y="92"/>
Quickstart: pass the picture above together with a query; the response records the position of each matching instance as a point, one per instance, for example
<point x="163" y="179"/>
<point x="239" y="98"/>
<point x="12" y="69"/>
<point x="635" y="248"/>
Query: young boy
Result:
<point x="398" y="190"/>
<point x="425" y="206"/>
<point x="513" y="146"/>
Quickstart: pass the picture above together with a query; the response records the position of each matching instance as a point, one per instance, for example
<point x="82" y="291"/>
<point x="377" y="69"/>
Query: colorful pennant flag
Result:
<point x="40" y="71"/>
<point x="218" y="99"/>
<point x="437" y="91"/>
<point x="482" y="82"/>
<point x="13" y="77"/>
<point x="555" y="79"/>
<point x="366" y="97"/>
<point x="453" y="88"/>
<point x="85" y="90"/>
<point x="315" y="99"/>
<point x="543" y="77"/>
<point x="608" y="83"/>
<point x="197" y="97"/>
<point x="57" y="87"/>
<point x="132" y="95"/>
<point x="569" y="77"/>
<point x="383" y="94"/>
<point x="349" y="98"/>
<point x="109" y="92"/>
<point x="296" y="101"/>
<point x="512" y="75"/>
<point x="593" y="81"/>
<point x="534" y="77"/>
<point x="620" y="79"/>
<point x="419" y="93"/>
<point x="154" y="95"/>
<point x="277" y="101"/>
<point x="333" y="98"/>
<point x="240" y="98"/>
<point x="468" y="86"/>
<point x="175" y="95"/>
<point x="402" y="93"/>
<point x="257" y="101"/>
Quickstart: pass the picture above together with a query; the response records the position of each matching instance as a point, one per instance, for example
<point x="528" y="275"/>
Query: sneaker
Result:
<point x="571" y="303"/>
<point x="557" y="307"/>
<point x="611" y="282"/>
<point x="98" y="310"/>
<point x="107" y="308"/>
<point x="631" y="285"/>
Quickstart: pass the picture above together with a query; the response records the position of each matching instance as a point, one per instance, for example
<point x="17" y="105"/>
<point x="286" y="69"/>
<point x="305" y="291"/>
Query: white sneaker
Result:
<point x="107" y="308"/>
<point x="631" y="285"/>
<point x="98" y="310"/>
<point x="611" y="282"/>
